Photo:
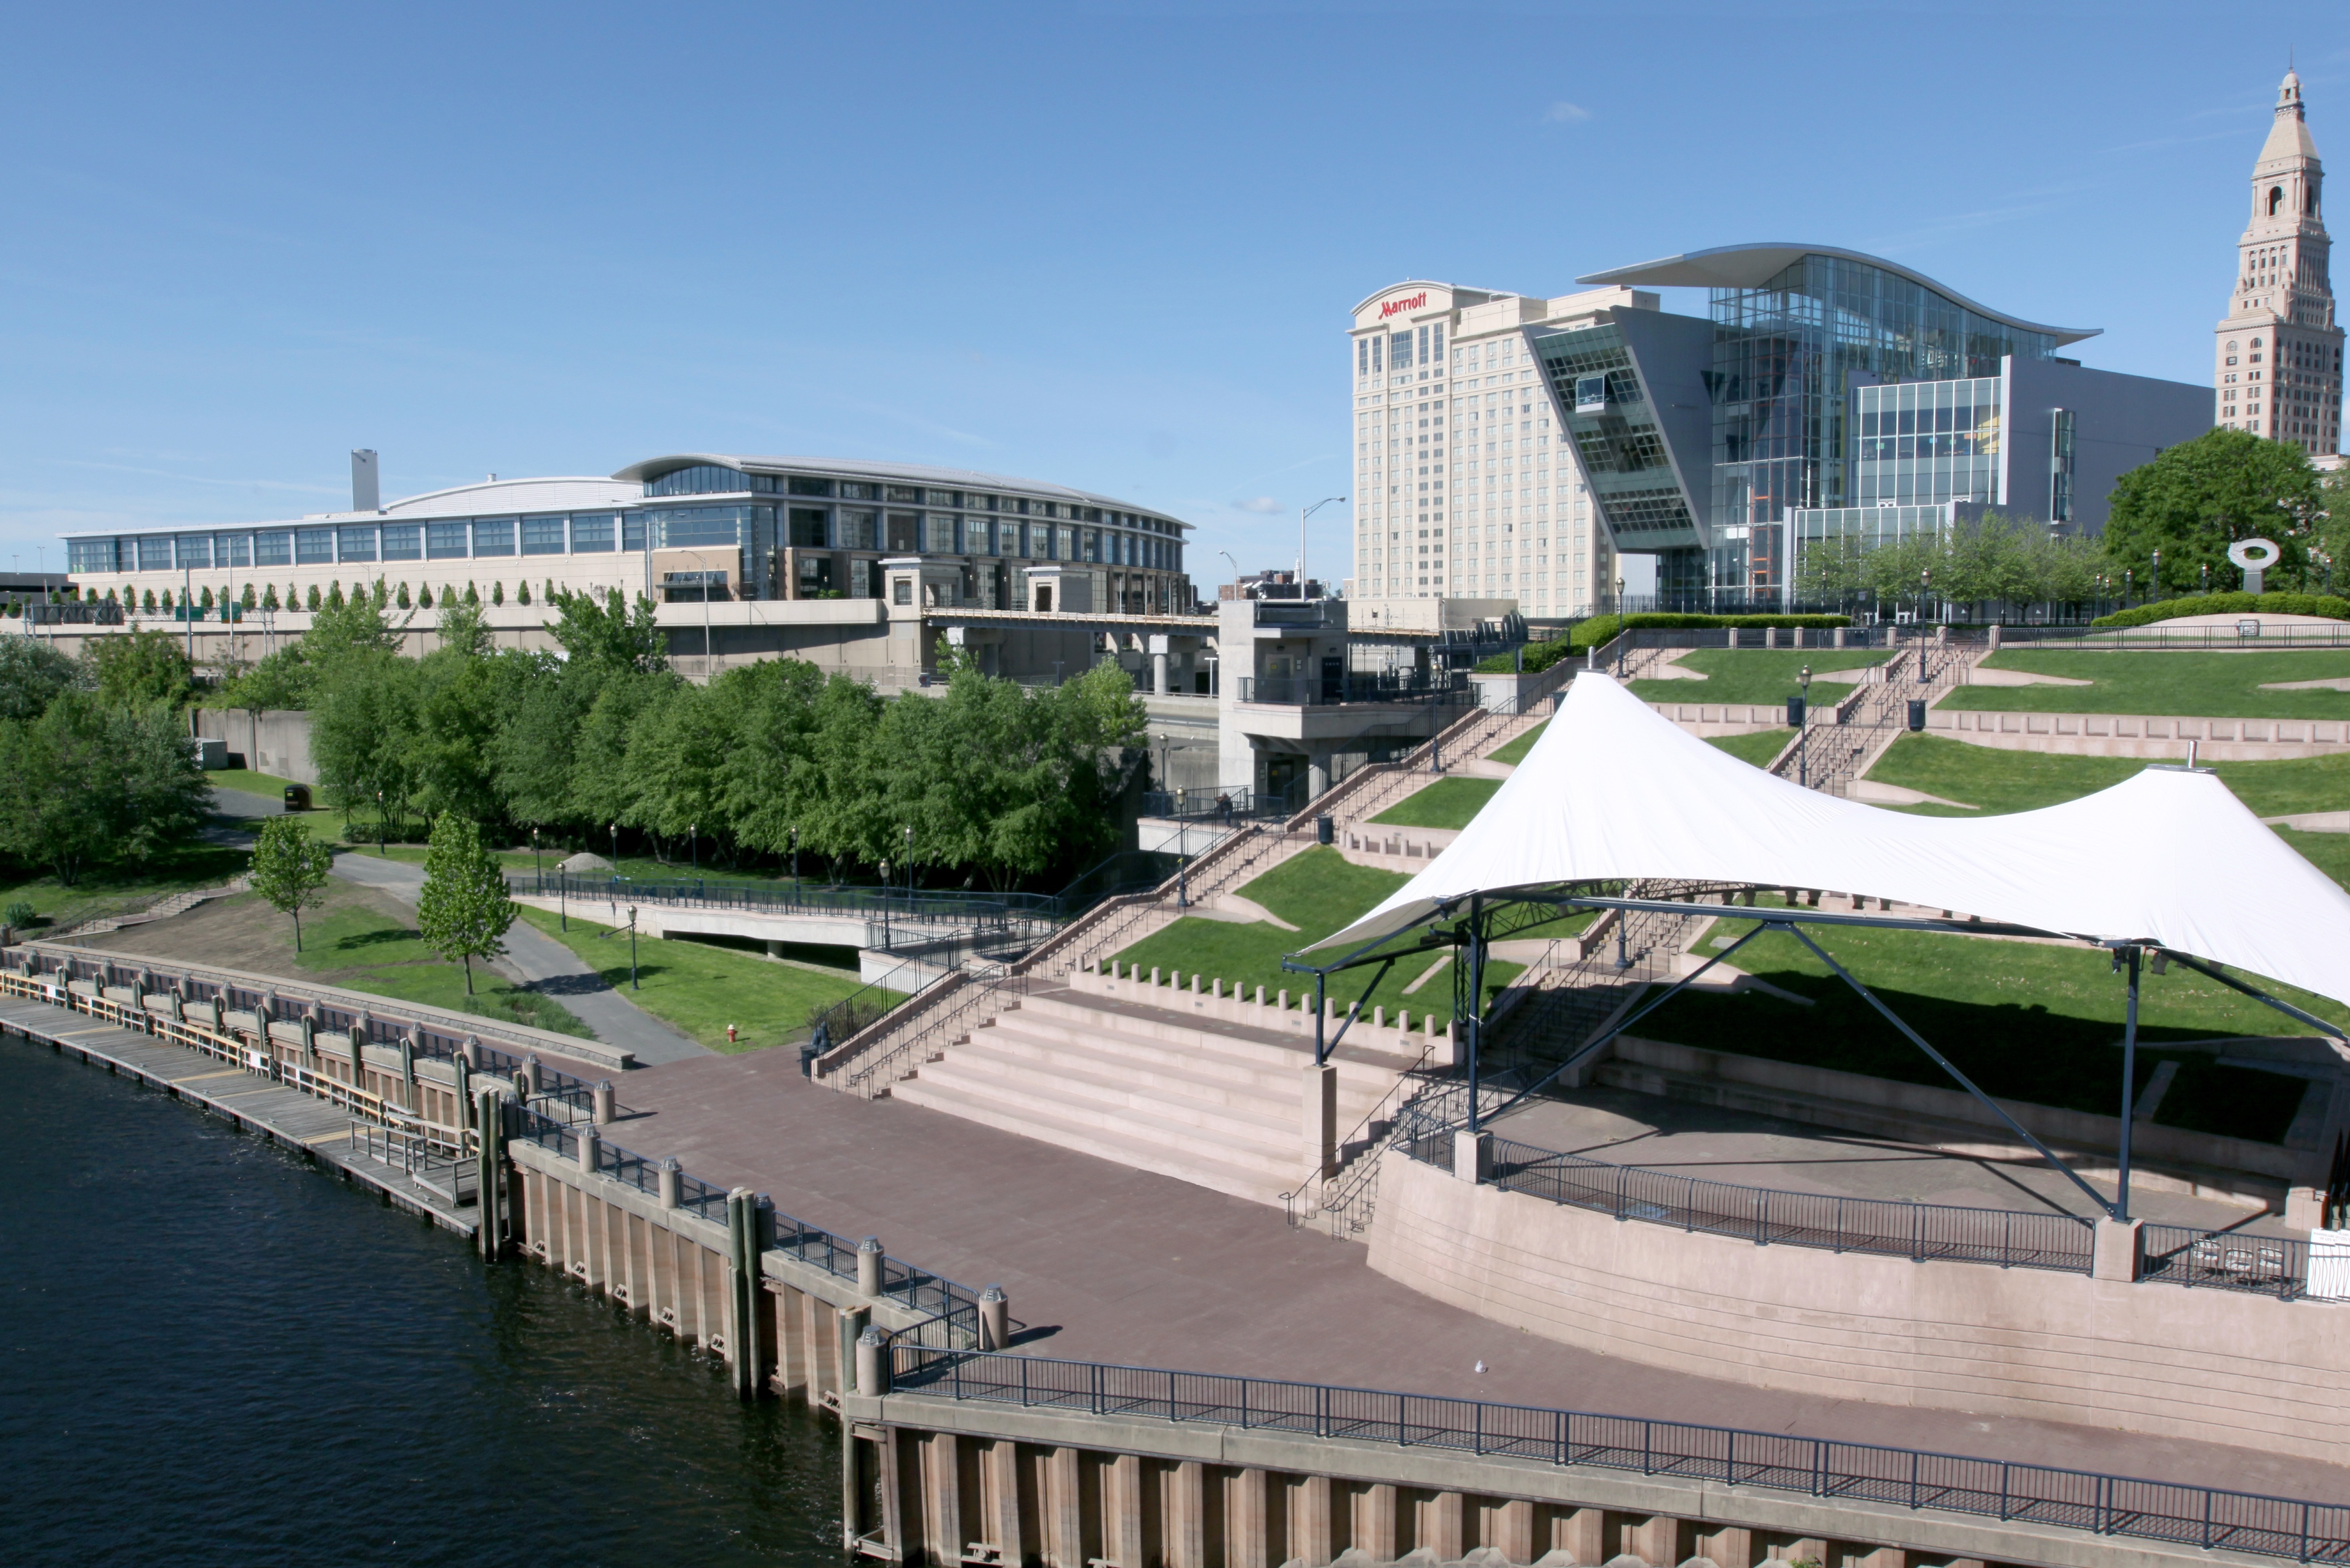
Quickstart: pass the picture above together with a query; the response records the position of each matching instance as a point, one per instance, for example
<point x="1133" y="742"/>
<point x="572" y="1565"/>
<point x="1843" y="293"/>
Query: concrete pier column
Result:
<point x="536" y="1071"/>
<point x="1770" y="637"/>
<point x="1839" y="641"/>
<point x="868" y="1266"/>
<point x="2119" y="1250"/>
<point x="1317" y="775"/>
<point x="1312" y="1529"/>
<point x="471" y="1049"/>
<point x="873" y="1363"/>
<point x="607" y="1104"/>
<point x="1318" y="1126"/>
<point x="464" y="1089"/>
<point x="1158" y="665"/>
<point x="589" y="1143"/>
<point x="672" y="1178"/>
<point x="1994" y="637"/>
<point x="1472" y="1155"/>
<point x="522" y="1088"/>
<point x="994" y="1319"/>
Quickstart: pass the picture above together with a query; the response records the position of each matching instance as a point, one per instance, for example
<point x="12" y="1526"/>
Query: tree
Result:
<point x="463" y="912"/>
<point x="32" y="672"/>
<point x="612" y="634"/>
<point x="142" y="667"/>
<point x="2200" y="496"/>
<point x="363" y="732"/>
<point x="91" y="784"/>
<point x="285" y="680"/>
<point x="290" y="868"/>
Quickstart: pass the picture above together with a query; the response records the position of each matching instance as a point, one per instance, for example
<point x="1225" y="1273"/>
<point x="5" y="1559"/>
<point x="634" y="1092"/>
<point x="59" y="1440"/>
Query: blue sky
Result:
<point x="1109" y="245"/>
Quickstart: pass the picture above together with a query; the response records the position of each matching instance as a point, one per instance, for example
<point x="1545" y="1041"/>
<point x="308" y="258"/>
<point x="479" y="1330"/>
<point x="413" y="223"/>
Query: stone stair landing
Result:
<point x="1221" y="1105"/>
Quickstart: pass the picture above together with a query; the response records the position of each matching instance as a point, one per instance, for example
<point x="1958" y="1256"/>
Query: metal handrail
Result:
<point x="2225" y="1259"/>
<point x="2209" y="1518"/>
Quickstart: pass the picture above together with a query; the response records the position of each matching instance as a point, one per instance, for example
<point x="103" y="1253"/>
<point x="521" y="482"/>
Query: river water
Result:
<point x="214" y="1353"/>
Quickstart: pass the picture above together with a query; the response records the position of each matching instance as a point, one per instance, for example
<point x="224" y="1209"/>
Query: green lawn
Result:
<point x="360" y="950"/>
<point x="248" y="781"/>
<point x="2002" y="781"/>
<point x="702" y="989"/>
<point x="1515" y="752"/>
<point x="2151" y="681"/>
<point x="1318" y="892"/>
<point x="120" y="891"/>
<point x="2026" y="1021"/>
<point x="1755" y="750"/>
<point x="1759" y="675"/>
<point x="1447" y="802"/>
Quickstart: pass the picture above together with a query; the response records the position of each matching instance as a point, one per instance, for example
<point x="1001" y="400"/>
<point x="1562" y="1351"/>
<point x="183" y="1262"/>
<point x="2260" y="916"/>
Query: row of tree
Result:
<point x="985" y="780"/>
<point x="2170" y="524"/>
<point x="265" y="597"/>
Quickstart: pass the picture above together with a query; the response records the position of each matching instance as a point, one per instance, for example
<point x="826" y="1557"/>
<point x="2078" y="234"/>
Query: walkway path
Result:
<point x="547" y="967"/>
<point x="1107" y="1262"/>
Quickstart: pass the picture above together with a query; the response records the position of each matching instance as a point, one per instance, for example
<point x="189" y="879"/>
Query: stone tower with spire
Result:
<point x="2278" y="370"/>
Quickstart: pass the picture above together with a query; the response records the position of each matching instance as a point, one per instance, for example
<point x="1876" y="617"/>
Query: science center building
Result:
<point x="694" y="527"/>
<point x="1825" y="394"/>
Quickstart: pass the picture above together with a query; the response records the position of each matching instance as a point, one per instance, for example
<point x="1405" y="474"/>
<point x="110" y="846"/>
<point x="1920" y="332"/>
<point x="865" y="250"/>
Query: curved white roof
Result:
<point x="1752" y="266"/>
<point x="1614" y="791"/>
<point x="904" y="473"/>
<point x="496" y="496"/>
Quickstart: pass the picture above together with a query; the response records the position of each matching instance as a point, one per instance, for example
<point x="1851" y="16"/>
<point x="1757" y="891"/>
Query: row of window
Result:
<point x="712" y="479"/>
<point x="668" y="527"/>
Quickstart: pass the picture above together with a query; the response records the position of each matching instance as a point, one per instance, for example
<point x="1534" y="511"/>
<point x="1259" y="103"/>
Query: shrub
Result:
<point x="2331" y="606"/>
<point x="19" y="914"/>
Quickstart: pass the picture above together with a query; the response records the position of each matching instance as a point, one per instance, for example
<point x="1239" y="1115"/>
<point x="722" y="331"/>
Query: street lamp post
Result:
<point x="1303" y="513"/>
<point x="694" y="846"/>
<point x="1227" y="555"/>
<point x="885" y="907"/>
<point x="1804" y="735"/>
<point x="632" y="947"/>
<point x="380" y="835"/>
<point x="2154" y="578"/>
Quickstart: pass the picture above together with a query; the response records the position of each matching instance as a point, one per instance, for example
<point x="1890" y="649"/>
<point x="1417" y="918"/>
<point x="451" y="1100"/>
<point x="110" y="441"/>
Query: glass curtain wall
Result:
<point x="1925" y="443"/>
<point x="1783" y="356"/>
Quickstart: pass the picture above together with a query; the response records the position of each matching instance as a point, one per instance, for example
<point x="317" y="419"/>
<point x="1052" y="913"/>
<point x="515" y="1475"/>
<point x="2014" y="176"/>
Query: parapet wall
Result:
<point x="2210" y="1365"/>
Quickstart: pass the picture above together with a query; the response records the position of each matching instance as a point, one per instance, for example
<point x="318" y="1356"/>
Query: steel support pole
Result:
<point x="1473" y="1023"/>
<point x="1321" y="1047"/>
<point x="2128" y="956"/>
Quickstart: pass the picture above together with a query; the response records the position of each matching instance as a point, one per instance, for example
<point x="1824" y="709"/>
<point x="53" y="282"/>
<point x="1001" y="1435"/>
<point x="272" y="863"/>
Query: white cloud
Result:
<point x="1565" y="113"/>
<point x="1265" y="505"/>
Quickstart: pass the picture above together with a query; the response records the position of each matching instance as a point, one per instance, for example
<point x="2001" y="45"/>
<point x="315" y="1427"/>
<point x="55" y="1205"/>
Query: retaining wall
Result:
<point x="2211" y="1365"/>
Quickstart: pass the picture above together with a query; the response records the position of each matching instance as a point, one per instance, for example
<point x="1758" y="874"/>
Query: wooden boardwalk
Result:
<point x="314" y="1128"/>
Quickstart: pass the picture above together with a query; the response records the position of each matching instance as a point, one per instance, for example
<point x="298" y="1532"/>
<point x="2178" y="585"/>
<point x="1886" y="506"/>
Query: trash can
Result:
<point x="1794" y="713"/>
<point x="297" y="797"/>
<point x="1916" y="714"/>
<point x="1324" y="831"/>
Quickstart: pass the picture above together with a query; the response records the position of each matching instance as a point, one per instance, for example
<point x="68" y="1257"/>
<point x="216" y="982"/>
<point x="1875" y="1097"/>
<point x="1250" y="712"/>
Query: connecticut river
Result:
<point x="216" y="1355"/>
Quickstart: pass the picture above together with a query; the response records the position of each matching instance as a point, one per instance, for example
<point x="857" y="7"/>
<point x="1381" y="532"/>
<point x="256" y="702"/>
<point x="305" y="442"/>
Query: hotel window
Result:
<point x="355" y="543"/>
<point x="1362" y="356"/>
<point x="592" y="534"/>
<point x="1399" y="350"/>
<point x="444" y="541"/>
<point x="313" y="546"/>
<point x="494" y="537"/>
<point x="542" y="536"/>
<point x="403" y="542"/>
<point x="273" y="549"/>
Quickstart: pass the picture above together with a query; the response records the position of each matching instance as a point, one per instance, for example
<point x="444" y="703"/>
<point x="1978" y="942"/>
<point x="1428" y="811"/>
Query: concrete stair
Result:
<point x="1221" y="1107"/>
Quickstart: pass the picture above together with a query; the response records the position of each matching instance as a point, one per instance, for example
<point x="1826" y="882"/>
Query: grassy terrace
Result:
<point x="1515" y="752"/>
<point x="1760" y="675"/>
<point x="1755" y="750"/>
<point x="1318" y="892"/>
<point x="2153" y="680"/>
<point x="1447" y="802"/>
<point x="2002" y="781"/>
<point x="2028" y="1021"/>
<point x="701" y="989"/>
<point x="121" y="890"/>
<point x="355" y="946"/>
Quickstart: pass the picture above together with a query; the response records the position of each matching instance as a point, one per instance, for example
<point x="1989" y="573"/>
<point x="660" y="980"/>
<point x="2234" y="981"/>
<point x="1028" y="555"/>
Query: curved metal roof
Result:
<point x="653" y="468"/>
<point x="1752" y="266"/>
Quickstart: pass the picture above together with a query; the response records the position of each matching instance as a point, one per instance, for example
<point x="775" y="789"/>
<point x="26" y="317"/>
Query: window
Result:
<point x="708" y="479"/>
<point x="90" y="556"/>
<point x="799" y="487"/>
<point x="1399" y="350"/>
<point x="857" y="532"/>
<point x="591" y="535"/>
<point x="542" y="536"/>
<point x="233" y="550"/>
<point x="315" y="546"/>
<point x="273" y="549"/>
<point x="494" y="537"/>
<point x="403" y="542"/>
<point x="632" y="530"/>
<point x="2276" y="199"/>
<point x="356" y="543"/>
<point x="942" y="531"/>
<point x="444" y="541"/>
<point x="806" y="525"/>
<point x="902" y="591"/>
<point x="943" y="498"/>
<point x="676" y="527"/>
<point x="903" y="493"/>
<point x="193" y="552"/>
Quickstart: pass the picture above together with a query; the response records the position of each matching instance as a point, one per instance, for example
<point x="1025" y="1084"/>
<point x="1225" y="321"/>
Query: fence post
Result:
<point x="868" y="1266"/>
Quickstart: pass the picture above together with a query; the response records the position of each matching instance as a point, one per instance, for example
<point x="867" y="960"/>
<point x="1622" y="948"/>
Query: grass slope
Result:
<point x="2026" y="1021"/>
<point x="1319" y="892"/>
<point x="2002" y="781"/>
<point x="359" y="948"/>
<point x="1755" y="750"/>
<point x="1515" y="752"/>
<point x="1447" y="802"/>
<point x="123" y="890"/>
<point x="1759" y="675"/>
<point x="702" y="989"/>
<point x="2208" y="685"/>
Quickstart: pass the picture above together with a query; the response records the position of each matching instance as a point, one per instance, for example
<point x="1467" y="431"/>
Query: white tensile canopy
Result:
<point x="2169" y="858"/>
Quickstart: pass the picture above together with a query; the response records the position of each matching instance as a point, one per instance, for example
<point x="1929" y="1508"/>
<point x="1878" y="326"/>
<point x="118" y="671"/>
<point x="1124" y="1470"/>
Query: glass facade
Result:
<point x="1925" y="443"/>
<point x="1784" y="354"/>
<point x="1614" y="427"/>
<point x="1868" y="526"/>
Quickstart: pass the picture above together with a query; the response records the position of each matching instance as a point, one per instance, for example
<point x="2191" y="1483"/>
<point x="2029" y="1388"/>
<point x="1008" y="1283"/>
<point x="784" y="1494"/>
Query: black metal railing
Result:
<point x="2205" y="1517"/>
<point x="1770" y="1216"/>
<point x="2224" y="1261"/>
<point x="1441" y="687"/>
<point x="906" y="906"/>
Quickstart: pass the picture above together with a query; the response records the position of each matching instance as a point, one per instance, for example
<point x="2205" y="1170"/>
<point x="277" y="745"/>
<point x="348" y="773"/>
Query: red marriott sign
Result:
<point x="1396" y="306"/>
